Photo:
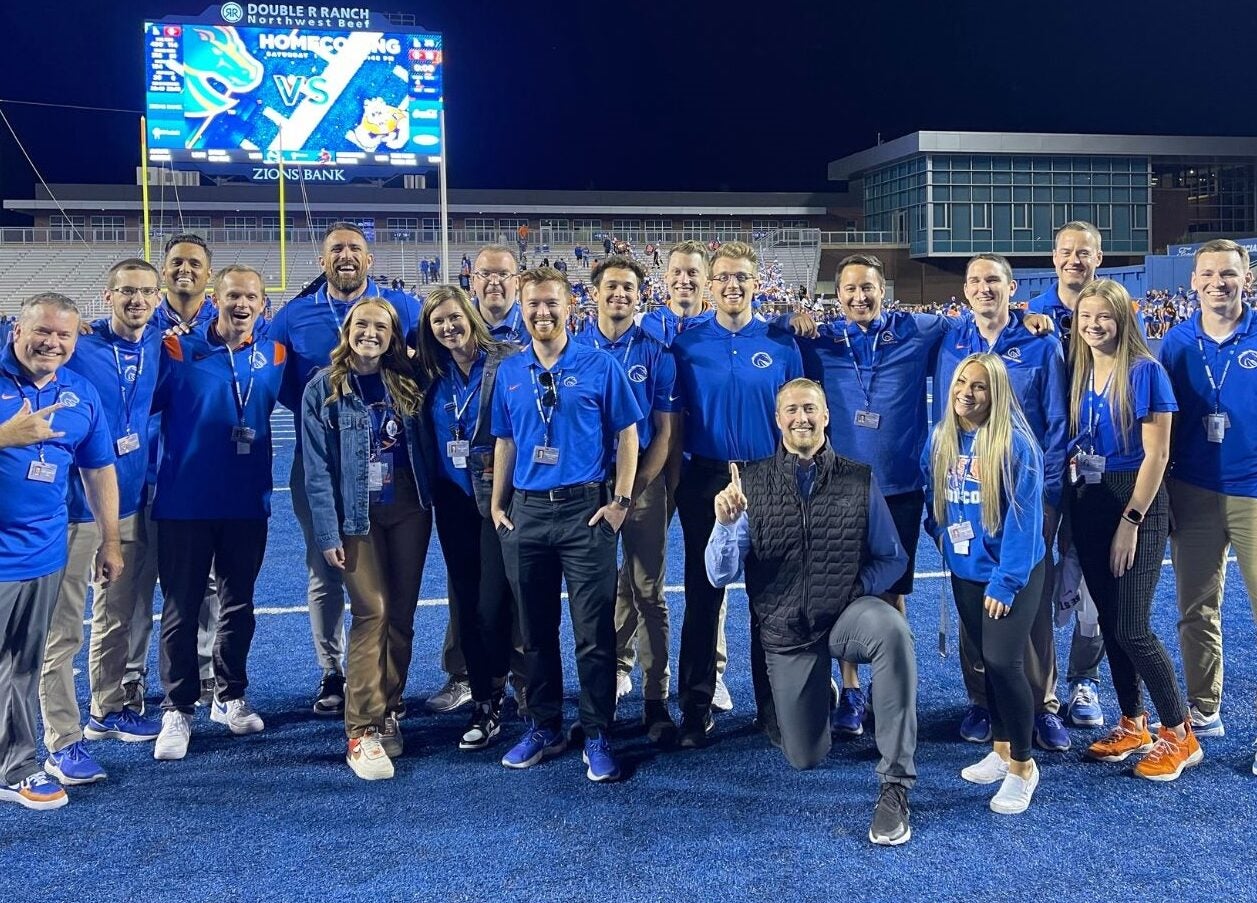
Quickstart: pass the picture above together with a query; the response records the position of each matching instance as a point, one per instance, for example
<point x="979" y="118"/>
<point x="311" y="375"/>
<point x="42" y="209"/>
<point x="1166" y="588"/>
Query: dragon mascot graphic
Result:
<point x="216" y="65"/>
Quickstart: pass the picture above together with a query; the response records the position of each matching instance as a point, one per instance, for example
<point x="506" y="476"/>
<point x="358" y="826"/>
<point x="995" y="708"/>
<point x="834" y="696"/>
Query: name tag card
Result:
<point x="243" y="436"/>
<point x="1216" y="426"/>
<point x="544" y="454"/>
<point x="127" y="444"/>
<point x="1084" y="468"/>
<point x="458" y="450"/>
<point x="868" y="419"/>
<point x="41" y="472"/>
<point x="380" y="479"/>
<point x="960" y="534"/>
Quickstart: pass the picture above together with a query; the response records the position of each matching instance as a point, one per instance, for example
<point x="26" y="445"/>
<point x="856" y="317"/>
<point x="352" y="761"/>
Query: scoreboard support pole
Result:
<point x="445" y="204"/>
<point x="283" y="226"/>
<point x="145" y="217"/>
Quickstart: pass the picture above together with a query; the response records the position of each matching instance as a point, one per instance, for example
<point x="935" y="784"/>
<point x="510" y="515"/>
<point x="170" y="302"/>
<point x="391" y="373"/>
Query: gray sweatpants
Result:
<point x="25" y="613"/>
<point x="869" y="631"/>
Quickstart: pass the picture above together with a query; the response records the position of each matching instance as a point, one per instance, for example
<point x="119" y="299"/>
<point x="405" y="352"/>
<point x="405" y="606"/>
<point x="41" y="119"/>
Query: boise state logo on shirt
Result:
<point x="638" y="373"/>
<point x="887" y="338"/>
<point x="130" y="373"/>
<point x="68" y="400"/>
<point x="257" y="360"/>
<point x="762" y="359"/>
<point x="1248" y="360"/>
<point x="569" y="381"/>
<point x="1013" y="354"/>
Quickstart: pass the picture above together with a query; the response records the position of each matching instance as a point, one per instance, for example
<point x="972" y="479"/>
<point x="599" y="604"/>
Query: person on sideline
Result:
<point x="984" y="506"/>
<point x="1121" y="405"/>
<point x="367" y="481"/>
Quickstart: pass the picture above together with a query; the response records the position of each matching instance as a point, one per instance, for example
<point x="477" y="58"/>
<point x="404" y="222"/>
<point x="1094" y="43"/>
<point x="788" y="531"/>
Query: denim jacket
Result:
<point x="336" y="441"/>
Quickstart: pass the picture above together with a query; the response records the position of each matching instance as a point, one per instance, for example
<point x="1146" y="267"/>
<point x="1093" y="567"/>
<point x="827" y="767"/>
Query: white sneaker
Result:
<point x="1014" y="794"/>
<point x="988" y="771"/>
<point x="176" y="731"/>
<point x="623" y="685"/>
<point x="367" y="758"/>
<point x="238" y="715"/>
<point x="1255" y="758"/>
<point x="721" y="701"/>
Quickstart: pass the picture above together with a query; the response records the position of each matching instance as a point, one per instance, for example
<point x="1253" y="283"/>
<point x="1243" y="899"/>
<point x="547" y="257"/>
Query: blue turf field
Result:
<point x="279" y="816"/>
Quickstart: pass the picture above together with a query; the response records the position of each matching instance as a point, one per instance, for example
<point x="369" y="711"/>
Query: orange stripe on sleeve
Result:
<point x="173" y="347"/>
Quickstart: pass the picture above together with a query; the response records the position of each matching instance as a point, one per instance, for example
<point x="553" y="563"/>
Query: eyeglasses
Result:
<point x="551" y="396"/>
<point x="740" y="278"/>
<point x="130" y="291"/>
<point x="493" y="275"/>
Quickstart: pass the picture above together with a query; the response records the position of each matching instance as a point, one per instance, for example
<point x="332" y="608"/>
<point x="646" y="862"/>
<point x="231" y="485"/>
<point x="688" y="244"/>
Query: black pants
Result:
<point x="478" y="587"/>
<point x="1124" y="603"/>
<point x="553" y="542"/>
<point x="187" y="551"/>
<point x="701" y="482"/>
<point x="1003" y="642"/>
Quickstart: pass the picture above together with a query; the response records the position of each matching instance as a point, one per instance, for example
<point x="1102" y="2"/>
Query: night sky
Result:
<point x="666" y="95"/>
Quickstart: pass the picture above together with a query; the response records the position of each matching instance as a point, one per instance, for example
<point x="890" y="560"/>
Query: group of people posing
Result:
<point x="798" y="456"/>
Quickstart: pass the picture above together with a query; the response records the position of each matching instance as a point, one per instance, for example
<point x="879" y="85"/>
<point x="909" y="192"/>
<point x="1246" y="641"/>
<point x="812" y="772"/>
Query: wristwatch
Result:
<point x="622" y="500"/>
<point x="1133" y="516"/>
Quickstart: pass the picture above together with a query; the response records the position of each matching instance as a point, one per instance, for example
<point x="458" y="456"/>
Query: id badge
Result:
<point x="380" y="478"/>
<point x="243" y="436"/>
<point x="1216" y="426"/>
<point x="41" y="472"/>
<point x="458" y="448"/>
<point x="960" y="534"/>
<point x="127" y="444"/>
<point x="868" y="419"/>
<point x="545" y="454"/>
<point x="1091" y="468"/>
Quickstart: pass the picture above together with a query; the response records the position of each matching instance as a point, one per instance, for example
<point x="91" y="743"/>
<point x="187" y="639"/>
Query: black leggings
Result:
<point x="1125" y="603"/>
<point x="1003" y="642"/>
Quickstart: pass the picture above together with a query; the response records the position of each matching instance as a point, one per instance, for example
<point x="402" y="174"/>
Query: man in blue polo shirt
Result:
<point x="1076" y="255"/>
<point x="308" y="327"/>
<point x="641" y="611"/>
<point x="495" y="287"/>
<point x="120" y="358"/>
<point x="1036" y="369"/>
<point x="686" y="279"/>
<point x="1212" y="362"/>
<point x="728" y="372"/>
<point x="216" y="389"/>
<point x="33" y="520"/>
<point x="559" y="410"/>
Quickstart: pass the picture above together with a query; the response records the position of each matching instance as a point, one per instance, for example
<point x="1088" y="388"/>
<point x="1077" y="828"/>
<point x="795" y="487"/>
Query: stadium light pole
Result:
<point x="144" y="214"/>
<point x="444" y="202"/>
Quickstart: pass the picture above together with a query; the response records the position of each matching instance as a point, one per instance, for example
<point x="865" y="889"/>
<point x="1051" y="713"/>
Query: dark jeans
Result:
<point x="187" y="551"/>
<point x="1003" y="645"/>
<point x="478" y="587"/>
<point x="553" y="542"/>
<point x="701" y="481"/>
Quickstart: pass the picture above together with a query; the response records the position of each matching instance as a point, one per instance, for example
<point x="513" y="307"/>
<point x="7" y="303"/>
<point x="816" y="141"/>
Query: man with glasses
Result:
<point x="559" y="409"/>
<point x="308" y="327"/>
<point x="494" y="286"/>
<point x="728" y="372"/>
<point x="120" y="358"/>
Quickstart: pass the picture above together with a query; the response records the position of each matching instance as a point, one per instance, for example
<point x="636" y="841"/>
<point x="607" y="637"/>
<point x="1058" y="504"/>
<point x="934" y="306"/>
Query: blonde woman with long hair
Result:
<point x="984" y="504"/>
<point x="1121" y="406"/>
<point x="366" y="473"/>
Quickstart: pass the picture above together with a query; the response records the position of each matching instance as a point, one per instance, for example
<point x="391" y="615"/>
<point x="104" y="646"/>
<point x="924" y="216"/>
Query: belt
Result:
<point x="714" y="464"/>
<point x="562" y="493"/>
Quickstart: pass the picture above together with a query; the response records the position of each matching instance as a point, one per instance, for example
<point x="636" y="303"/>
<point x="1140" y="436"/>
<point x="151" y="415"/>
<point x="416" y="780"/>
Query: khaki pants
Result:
<point x="1202" y="524"/>
<point x="112" y="610"/>
<point x="641" y="611"/>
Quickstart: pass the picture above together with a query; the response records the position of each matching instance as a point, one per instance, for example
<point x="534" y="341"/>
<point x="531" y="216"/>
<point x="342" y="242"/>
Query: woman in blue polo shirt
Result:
<point x="984" y="504"/>
<point x="461" y="358"/>
<point x="366" y="476"/>
<point x="1121" y="405"/>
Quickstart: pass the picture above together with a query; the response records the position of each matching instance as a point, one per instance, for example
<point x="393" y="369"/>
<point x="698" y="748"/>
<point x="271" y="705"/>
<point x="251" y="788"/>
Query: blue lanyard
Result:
<point x="1093" y="407"/>
<point x="377" y="415"/>
<point x="536" y="392"/>
<point x="242" y="399"/>
<point x="1217" y="385"/>
<point x="628" y="349"/>
<point x="128" y="405"/>
<point x="38" y="404"/>
<point x="859" y="377"/>
<point x="459" y="411"/>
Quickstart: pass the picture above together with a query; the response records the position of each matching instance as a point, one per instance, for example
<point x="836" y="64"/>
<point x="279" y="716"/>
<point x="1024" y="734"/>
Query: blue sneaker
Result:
<point x="975" y="726"/>
<point x="36" y="791"/>
<point x="1050" y="733"/>
<point x="126" y="725"/>
<point x="537" y="743"/>
<point x="848" y="717"/>
<point x="1206" y="725"/>
<point x="74" y="765"/>
<point x="602" y="765"/>
<point x="1084" y="705"/>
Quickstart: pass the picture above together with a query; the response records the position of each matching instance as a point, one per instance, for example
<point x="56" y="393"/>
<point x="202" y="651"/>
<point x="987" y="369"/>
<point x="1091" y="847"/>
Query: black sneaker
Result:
<point x="331" y="698"/>
<point x="694" y="730"/>
<point x="890" y="819"/>
<point x="133" y="696"/>
<point x="660" y="727"/>
<point x="485" y="724"/>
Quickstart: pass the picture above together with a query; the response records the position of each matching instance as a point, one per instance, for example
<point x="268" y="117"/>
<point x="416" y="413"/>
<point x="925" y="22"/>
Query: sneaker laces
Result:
<point x="1164" y="747"/>
<point x="36" y="779"/>
<point x="74" y="752"/>
<point x="1084" y="694"/>
<point x="240" y="708"/>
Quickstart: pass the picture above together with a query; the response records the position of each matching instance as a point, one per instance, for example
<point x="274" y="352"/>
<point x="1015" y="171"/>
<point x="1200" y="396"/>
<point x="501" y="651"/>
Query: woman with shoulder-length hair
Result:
<point x="461" y="359"/>
<point x="1121" y="406"/>
<point x="984" y="504"/>
<point x="366" y="474"/>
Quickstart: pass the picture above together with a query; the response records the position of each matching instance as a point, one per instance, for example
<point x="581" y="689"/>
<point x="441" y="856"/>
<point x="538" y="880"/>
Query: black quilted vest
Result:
<point x="803" y="566"/>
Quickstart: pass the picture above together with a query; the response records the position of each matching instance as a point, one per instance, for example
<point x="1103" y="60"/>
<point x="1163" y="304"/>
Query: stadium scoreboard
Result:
<point x="334" y="91"/>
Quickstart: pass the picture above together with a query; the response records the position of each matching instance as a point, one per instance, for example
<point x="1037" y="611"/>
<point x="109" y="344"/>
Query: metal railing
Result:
<point x="850" y="237"/>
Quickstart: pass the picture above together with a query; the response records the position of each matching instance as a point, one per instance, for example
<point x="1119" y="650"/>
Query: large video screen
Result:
<point x="219" y="94"/>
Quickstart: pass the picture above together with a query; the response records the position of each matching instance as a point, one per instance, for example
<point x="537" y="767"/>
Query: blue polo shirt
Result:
<point x="728" y="382"/>
<point x="202" y="477"/>
<point x="511" y="329"/>
<point x="884" y="370"/>
<point x="662" y="325"/>
<point x="1229" y="466"/>
<point x="165" y="316"/>
<point x="649" y="367"/>
<point x="33" y="514"/>
<point x="1036" y="368"/>
<point x="594" y="402"/>
<point x="453" y="400"/>
<point x="1050" y="304"/>
<point x="309" y="327"/>
<point x="1150" y="393"/>
<point x="125" y="375"/>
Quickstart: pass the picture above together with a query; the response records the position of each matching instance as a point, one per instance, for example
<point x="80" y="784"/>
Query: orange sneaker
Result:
<point x="1127" y="738"/>
<point x="1170" y="756"/>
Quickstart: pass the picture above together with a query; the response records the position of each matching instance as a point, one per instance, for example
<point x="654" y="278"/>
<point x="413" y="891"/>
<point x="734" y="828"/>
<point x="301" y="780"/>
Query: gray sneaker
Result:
<point x="391" y="736"/>
<point x="454" y="695"/>
<point x="721" y="701"/>
<point x="890" y="825"/>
